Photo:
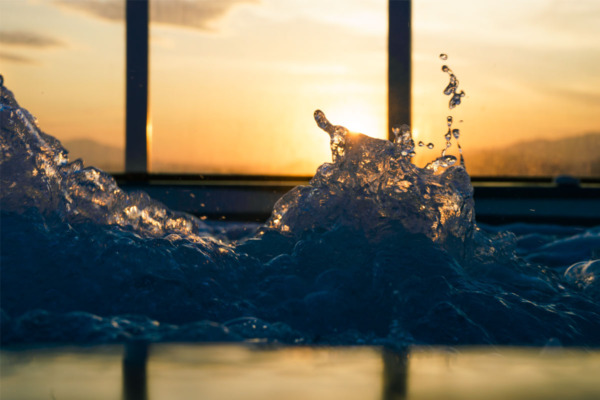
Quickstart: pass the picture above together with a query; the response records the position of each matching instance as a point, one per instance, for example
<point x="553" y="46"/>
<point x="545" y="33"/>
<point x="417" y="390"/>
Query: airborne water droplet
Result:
<point x="456" y="133"/>
<point x="443" y="56"/>
<point x="456" y="99"/>
<point x="421" y="144"/>
<point x="430" y="146"/>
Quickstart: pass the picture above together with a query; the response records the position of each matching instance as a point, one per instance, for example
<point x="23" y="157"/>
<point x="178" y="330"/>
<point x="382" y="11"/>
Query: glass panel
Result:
<point x="530" y="73"/>
<point x="234" y="83"/>
<point x="64" y="61"/>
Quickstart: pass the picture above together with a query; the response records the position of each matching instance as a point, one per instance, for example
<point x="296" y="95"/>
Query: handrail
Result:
<point x="136" y="86"/>
<point x="399" y="64"/>
<point x="137" y="131"/>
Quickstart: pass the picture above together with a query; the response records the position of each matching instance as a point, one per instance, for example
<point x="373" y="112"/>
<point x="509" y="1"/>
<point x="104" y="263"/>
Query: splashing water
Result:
<point x="384" y="184"/>
<point x="37" y="165"/>
<point x="452" y="89"/>
<point x="444" y="160"/>
<point x="374" y="250"/>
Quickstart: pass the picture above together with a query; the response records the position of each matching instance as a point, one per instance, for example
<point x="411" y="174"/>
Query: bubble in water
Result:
<point x="443" y="56"/>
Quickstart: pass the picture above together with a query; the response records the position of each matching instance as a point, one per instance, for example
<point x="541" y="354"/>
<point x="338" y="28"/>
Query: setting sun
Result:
<point x="359" y="120"/>
<point x="233" y="88"/>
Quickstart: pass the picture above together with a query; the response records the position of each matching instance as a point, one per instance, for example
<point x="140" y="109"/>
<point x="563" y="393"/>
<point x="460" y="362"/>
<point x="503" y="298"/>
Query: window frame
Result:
<point x="251" y="197"/>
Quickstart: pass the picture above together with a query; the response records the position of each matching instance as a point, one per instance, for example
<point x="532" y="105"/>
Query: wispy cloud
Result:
<point x="590" y="97"/>
<point x="28" y="39"/>
<point x="10" y="57"/>
<point x="195" y="14"/>
<point x="582" y="16"/>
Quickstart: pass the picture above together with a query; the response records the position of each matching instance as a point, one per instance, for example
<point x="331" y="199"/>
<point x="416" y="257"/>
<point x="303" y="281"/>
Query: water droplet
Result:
<point x="456" y="133"/>
<point x="451" y="89"/>
<point x="456" y="99"/>
<point x="421" y="144"/>
<point x="443" y="56"/>
<point x="448" y="161"/>
<point x="449" y="119"/>
<point x="452" y="85"/>
<point x="430" y="146"/>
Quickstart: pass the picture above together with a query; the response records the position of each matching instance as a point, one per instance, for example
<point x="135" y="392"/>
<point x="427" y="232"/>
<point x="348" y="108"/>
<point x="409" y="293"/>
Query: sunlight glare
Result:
<point x="363" y="121"/>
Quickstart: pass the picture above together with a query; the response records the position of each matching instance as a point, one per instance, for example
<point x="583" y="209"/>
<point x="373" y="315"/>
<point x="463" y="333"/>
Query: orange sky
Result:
<point x="234" y="83"/>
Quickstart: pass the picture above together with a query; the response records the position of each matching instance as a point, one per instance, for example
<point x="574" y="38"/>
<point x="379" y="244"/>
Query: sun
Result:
<point x="358" y="119"/>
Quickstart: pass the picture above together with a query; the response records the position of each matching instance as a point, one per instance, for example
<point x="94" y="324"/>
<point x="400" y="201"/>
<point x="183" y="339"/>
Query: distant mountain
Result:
<point x="577" y="156"/>
<point x="105" y="157"/>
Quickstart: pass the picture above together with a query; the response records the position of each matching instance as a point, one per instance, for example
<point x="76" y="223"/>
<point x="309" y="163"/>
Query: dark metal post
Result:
<point x="135" y="361"/>
<point x="136" y="113"/>
<point x="399" y="64"/>
<point x="395" y="374"/>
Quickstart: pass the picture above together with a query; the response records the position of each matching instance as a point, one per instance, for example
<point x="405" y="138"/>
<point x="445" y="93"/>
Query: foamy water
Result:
<point x="375" y="250"/>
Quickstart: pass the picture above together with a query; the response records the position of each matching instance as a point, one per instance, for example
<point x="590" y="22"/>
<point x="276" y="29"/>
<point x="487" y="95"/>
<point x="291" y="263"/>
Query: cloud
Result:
<point x="582" y="16"/>
<point x="195" y="14"/>
<point x="28" y="39"/>
<point x="589" y="97"/>
<point x="16" y="58"/>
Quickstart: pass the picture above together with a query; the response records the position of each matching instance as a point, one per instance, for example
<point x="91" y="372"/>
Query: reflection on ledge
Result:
<point x="135" y="360"/>
<point x="217" y="371"/>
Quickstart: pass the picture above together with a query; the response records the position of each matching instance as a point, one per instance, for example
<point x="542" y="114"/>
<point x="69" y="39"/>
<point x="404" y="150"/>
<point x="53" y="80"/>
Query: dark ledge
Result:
<point x="251" y="197"/>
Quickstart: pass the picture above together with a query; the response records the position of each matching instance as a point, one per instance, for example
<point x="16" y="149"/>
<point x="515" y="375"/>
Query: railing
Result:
<point x="137" y="114"/>
<point x="251" y="198"/>
<point x="136" y="86"/>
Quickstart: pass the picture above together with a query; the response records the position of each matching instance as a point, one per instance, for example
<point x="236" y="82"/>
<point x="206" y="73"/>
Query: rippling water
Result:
<point x="375" y="250"/>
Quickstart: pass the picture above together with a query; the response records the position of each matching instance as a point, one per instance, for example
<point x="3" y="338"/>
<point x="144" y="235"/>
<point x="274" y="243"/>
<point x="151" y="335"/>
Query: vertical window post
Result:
<point x="136" y="112"/>
<point x="399" y="64"/>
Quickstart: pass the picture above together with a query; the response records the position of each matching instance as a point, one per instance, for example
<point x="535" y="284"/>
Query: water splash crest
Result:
<point x="39" y="167"/>
<point x="374" y="250"/>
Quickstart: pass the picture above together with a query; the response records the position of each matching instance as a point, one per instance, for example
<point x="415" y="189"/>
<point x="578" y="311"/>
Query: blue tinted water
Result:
<point x="375" y="250"/>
